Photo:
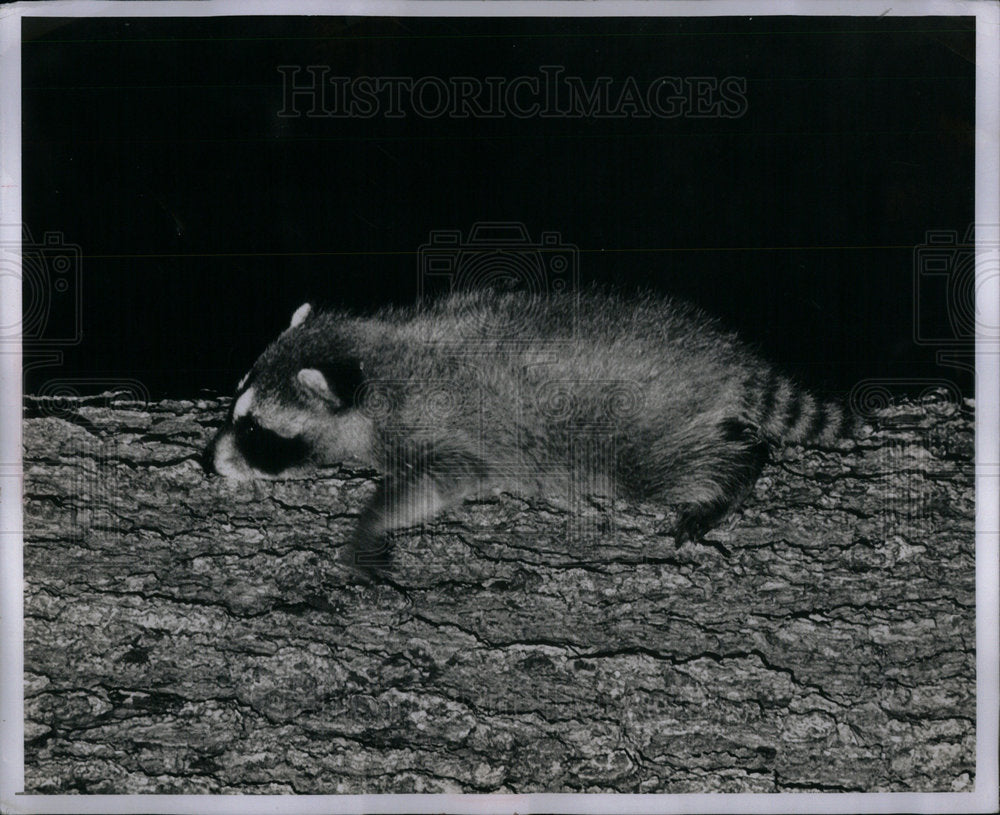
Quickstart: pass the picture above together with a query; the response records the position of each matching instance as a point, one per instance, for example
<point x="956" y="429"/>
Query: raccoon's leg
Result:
<point x="718" y="477"/>
<point x="421" y="485"/>
<point x="399" y="502"/>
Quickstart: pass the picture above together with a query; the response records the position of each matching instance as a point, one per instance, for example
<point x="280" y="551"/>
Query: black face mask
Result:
<point x="264" y="449"/>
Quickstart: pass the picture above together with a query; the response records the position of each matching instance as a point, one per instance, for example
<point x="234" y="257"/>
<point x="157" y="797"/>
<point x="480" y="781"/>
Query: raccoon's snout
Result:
<point x="245" y="450"/>
<point x="221" y="457"/>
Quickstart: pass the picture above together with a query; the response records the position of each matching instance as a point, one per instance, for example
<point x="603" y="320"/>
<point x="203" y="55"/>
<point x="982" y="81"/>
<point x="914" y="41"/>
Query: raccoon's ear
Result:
<point x="300" y="315"/>
<point x="315" y="382"/>
<point x="338" y="387"/>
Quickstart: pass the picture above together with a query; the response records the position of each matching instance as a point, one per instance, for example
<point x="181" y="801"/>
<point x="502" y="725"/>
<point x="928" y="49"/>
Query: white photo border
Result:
<point x="987" y="436"/>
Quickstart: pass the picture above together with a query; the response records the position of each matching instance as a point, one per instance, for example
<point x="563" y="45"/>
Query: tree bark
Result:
<point x="188" y="634"/>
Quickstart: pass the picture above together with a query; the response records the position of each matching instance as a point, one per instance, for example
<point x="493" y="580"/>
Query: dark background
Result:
<point x="203" y="219"/>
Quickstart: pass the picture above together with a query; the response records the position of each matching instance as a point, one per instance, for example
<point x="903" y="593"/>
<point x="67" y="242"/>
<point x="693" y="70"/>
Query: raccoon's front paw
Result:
<point x="369" y="551"/>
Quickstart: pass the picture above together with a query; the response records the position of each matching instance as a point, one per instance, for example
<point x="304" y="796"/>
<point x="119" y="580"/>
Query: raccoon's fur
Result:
<point x="523" y="393"/>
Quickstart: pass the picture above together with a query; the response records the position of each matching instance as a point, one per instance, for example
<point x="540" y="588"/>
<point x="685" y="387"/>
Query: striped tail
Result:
<point x="789" y="414"/>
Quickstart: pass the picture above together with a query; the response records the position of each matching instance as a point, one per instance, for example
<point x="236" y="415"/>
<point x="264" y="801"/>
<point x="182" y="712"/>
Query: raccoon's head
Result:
<point x="294" y="409"/>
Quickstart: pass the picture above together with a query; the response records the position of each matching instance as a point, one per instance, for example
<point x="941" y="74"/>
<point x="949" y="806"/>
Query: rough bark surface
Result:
<point x="188" y="634"/>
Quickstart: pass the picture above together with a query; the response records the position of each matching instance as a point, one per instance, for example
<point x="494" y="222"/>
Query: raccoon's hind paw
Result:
<point x="740" y="457"/>
<point x="694" y="520"/>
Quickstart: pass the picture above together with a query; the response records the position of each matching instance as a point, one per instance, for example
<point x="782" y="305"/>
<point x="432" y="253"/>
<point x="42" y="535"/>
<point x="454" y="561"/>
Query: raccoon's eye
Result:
<point x="264" y="449"/>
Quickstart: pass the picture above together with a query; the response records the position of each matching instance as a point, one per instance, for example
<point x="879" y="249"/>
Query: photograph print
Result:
<point x="480" y="399"/>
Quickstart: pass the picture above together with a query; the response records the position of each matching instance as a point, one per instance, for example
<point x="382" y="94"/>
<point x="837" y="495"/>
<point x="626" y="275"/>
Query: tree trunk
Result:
<point x="188" y="634"/>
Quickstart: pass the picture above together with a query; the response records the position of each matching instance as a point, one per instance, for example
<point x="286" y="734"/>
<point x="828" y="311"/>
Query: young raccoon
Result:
<point x="515" y="392"/>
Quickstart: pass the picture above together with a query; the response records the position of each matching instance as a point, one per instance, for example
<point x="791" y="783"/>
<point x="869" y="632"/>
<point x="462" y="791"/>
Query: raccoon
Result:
<point x="642" y="396"/>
